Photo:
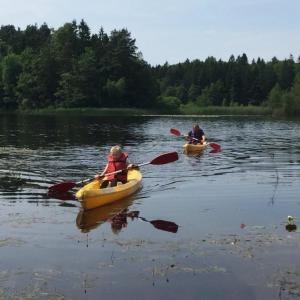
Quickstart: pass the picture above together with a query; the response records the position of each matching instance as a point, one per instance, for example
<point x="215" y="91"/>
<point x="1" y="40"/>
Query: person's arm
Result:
<point x="98" y="176"/>
<point x="202" y="135"/>
<point x="188" y="136"/>
<point x="128" y="164"/>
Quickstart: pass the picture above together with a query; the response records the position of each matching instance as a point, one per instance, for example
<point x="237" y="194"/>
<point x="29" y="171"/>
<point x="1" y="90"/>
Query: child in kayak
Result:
<point x="196" y="135"/>
<point x="117" y="160"/>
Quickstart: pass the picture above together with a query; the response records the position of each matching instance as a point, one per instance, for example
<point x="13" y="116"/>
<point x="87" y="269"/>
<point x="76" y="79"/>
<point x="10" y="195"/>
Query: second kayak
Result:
<point x="92" y="196"/>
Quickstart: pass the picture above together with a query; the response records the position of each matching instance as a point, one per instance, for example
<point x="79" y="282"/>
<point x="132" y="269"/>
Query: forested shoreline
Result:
<point x="70" y="67"/>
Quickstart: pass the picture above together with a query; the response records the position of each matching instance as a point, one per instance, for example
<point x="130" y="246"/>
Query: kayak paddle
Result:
<point x="216" y="147"/>
<point x="163" y="225"/>
<point x="65" y="186"/>
<point x="158" y="224"/>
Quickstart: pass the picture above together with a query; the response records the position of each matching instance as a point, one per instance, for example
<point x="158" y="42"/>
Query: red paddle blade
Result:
<point x="61" y="187"/>
<point x="215" y="146"/>
<point x="164" y="158"/>
<point x="165" y="225"/>
<point x="175" y="131"/>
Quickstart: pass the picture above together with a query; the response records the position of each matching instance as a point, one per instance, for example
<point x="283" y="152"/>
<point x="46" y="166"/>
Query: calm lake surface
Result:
<point x="231" y="208"/>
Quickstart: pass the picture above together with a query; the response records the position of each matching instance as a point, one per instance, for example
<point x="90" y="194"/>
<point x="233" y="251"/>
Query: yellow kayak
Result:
<point x="192" y="148"/>
<point x="92" y="196"/>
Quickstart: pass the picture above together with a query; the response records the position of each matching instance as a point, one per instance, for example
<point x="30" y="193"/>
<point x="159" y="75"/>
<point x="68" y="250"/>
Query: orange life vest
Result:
<point x="120" y="164"/>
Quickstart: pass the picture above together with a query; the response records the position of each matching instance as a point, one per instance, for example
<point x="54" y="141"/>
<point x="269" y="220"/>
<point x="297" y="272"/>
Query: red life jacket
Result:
<point x="120" y="164"/>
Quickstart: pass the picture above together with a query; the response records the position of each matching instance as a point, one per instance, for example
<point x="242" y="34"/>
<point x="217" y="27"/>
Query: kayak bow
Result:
<point x="194" y="148"/>
<point x="92" y="196"/>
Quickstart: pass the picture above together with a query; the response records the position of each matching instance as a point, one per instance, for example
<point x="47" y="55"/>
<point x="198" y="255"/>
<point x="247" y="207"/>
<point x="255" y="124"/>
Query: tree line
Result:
<point x="42" y="67"/>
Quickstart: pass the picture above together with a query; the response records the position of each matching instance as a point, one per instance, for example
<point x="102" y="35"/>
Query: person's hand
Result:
<point x="132" y="166"/>
<point x="99" y="176"/>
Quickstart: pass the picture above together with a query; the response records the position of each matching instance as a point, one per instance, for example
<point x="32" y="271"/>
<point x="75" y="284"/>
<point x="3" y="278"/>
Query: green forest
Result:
<point x="69" y="67"/>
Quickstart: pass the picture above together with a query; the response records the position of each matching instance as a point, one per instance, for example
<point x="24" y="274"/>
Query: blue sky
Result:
<point x="173" y="30"/>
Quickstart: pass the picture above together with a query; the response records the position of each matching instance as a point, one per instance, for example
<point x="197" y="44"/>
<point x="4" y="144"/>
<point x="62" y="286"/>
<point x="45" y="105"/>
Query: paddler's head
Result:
<point x="196" y="127"/>
<point x="116" y="152"/>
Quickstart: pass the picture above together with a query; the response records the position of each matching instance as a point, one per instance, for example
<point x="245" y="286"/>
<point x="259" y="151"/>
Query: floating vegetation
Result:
<point x="11" y="242"/>
<point x="287" y="281"/>
<point x="38" y="290"/>
<point x="164" y="270"/>
<point x="30" y="293"/>
<point x="209" y="269"/>
<point x="47" y="274"/>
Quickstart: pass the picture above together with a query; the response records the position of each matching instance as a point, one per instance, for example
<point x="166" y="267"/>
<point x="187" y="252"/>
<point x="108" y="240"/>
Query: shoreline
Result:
<point x="218" y="111"/>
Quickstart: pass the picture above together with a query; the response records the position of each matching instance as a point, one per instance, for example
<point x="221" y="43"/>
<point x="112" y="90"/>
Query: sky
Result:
<point x="175" y="30"/>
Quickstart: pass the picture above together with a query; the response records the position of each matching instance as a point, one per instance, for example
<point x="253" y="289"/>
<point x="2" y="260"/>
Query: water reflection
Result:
<point x="67" y="129"/>
<point x="197" y="154"/>
<point x="91" y="219"/>
<point x="215" y="151"/>
<point x="163" y="225"/>
<point x="62" y="196"/>
<point x="117" y="214"/>
<point x="11" y="182"/>
<point x="291" y="227"/>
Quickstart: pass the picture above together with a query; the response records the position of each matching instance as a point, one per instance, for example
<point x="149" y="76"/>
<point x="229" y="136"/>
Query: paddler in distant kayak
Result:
<point x="196" y="135"/>
<point x="117" y="160"/>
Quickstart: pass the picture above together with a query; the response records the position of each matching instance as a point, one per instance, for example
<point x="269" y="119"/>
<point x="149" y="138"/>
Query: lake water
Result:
<point x="231" y="208"/>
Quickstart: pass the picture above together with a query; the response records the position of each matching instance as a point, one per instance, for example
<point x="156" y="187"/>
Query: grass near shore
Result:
<point x="89" y="111"/>
<point x="188" y="109"/>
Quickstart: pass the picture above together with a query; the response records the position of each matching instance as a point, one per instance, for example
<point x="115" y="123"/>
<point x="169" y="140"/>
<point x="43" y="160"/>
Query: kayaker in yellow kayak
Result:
<point x="117" y="160"/>
<point x="196" y="135"/>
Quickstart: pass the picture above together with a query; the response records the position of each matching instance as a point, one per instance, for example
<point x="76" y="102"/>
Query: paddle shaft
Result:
<point x="108" y="174"/>
<point x="120" y="171"/>
<point x="160" y="160"/>
<point x="187" y="136"/>
<point x="178" y="133"/>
